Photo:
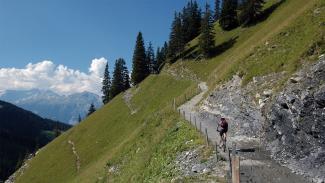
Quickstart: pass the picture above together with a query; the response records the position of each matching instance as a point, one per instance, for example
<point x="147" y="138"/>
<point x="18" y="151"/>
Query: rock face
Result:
<point x="296" y="123"/>
<point x="233" y="102"/>
<point x="290" y="123"/>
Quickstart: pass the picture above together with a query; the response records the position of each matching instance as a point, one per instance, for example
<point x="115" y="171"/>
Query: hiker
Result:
<point x="222" y="129"/>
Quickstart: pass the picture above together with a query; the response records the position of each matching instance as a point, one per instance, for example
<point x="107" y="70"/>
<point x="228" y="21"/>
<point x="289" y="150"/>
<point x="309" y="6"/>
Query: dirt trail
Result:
<point x="256" y="167"/>
<point x="127" y="99"/>
<point x="74" y="151"/>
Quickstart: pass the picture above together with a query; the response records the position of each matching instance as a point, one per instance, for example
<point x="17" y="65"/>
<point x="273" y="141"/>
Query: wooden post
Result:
<point x="235" y="176"/>
<point x="233" y="154"/>
<point x="184" y="114"/>
<point x="206" y="133"/>
<point x="195" y="124"/>
<point x="191" y="117"/>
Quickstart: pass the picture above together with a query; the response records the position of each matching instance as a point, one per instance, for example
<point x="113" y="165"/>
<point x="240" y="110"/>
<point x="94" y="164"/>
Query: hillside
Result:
<point x="137" y="137"/>
<point x="21" y="133"/>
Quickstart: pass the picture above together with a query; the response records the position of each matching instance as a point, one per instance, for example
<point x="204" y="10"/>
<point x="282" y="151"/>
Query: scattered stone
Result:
<point x="267" y="93"/>
<point x="295" y="79"/>
<point x="198" y="168"/>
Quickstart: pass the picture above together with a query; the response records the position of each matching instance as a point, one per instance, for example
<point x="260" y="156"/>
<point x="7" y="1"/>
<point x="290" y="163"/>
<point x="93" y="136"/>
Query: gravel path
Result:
<point x="256" y="167"/>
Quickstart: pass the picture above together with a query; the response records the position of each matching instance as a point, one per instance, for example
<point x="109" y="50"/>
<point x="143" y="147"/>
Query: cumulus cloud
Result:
<point x="59" y="78"/>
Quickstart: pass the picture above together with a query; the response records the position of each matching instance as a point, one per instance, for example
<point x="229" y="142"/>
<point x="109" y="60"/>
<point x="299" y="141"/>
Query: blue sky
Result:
<point x="73" y="32"/>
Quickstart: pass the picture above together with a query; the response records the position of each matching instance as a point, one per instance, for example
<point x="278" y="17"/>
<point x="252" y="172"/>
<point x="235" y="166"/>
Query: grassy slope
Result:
<point x="110" y="133"/>
<point x="290" y="31"/>
<point x="142" y="144"/>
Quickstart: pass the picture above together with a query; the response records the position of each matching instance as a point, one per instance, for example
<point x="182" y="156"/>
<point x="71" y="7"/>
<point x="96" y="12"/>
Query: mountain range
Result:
<point x="51" y="105"/>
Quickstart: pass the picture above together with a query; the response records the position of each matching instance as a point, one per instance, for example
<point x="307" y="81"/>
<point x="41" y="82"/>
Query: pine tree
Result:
<point x="217" y="10"/>
<point x="140" y="69"/>
<point x="228" y="17"/>
<point x="126" y="77"/>
<point x="91" y="109"/>
<point x="176" y="39"/>
<point x="191" y="21"/>
<point x="151" y="59"/>
<point x="118" y="78"/>
<point x="106" y="85"/>
<point x="250" y="11"/>
<point x="164" y="51"/>
<point x="206" y="39"/>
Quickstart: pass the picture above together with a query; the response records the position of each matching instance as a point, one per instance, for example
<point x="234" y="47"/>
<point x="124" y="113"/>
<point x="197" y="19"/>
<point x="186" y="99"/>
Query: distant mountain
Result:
<point x="49" y="104"/>
<point x="21" y="133"/>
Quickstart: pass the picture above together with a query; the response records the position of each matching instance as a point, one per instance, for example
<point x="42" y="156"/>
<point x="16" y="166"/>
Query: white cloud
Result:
<point x="97" y="66"/>
<point x="47" y="75"/>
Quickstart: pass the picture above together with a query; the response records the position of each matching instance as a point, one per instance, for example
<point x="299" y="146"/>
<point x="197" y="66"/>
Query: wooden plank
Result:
<point x="235" y="176"/>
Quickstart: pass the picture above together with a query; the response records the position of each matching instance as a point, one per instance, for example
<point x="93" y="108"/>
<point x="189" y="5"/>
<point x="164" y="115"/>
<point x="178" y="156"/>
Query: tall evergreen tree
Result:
<point x="91" y="109"/>
<point x="191" y="20"/>
<point x="164" y="51"/>
<point x="228" y="17"/>
<point x="126" y="77"/>
<point x="150" y="58"/>
<point x="206" y="39"/>
<point x="140" y="69"/>
<point x="250" y="11"/>
<point x="161" y="56"/>
<point x="118" y="84"/>
<point x="106" y="85"/>
<point x="217" y="10"/>
<point x="176" y="39"/>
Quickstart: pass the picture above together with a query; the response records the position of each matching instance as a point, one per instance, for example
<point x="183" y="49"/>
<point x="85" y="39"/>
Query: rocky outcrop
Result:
<point x="296" y="123"/>
<point x="290" y="123"/>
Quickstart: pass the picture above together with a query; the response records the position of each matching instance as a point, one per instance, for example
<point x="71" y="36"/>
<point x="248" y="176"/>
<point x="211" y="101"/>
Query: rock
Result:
<point x="206" y="170"/>
<point x="295" y="79"/>
<point x="198" y="168"/>
<point x="267" y="93"/>
<point x="257" y="96"/>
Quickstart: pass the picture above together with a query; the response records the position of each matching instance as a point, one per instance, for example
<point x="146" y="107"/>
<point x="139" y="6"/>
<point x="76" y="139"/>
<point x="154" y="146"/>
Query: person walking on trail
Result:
<point x="222" y="129"/>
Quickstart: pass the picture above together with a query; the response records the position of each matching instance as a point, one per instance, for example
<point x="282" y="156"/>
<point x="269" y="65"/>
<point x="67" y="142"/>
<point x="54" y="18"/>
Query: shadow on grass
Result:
<point x="266" y="13"/>
<point x="224" y="46"/>
<point x="191" y="53"/>
<point x="194" y="54"/>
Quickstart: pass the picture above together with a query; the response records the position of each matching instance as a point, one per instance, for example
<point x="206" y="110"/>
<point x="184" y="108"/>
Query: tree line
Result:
<point x="192" y="22"/>
<point x="188" y="24"/>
